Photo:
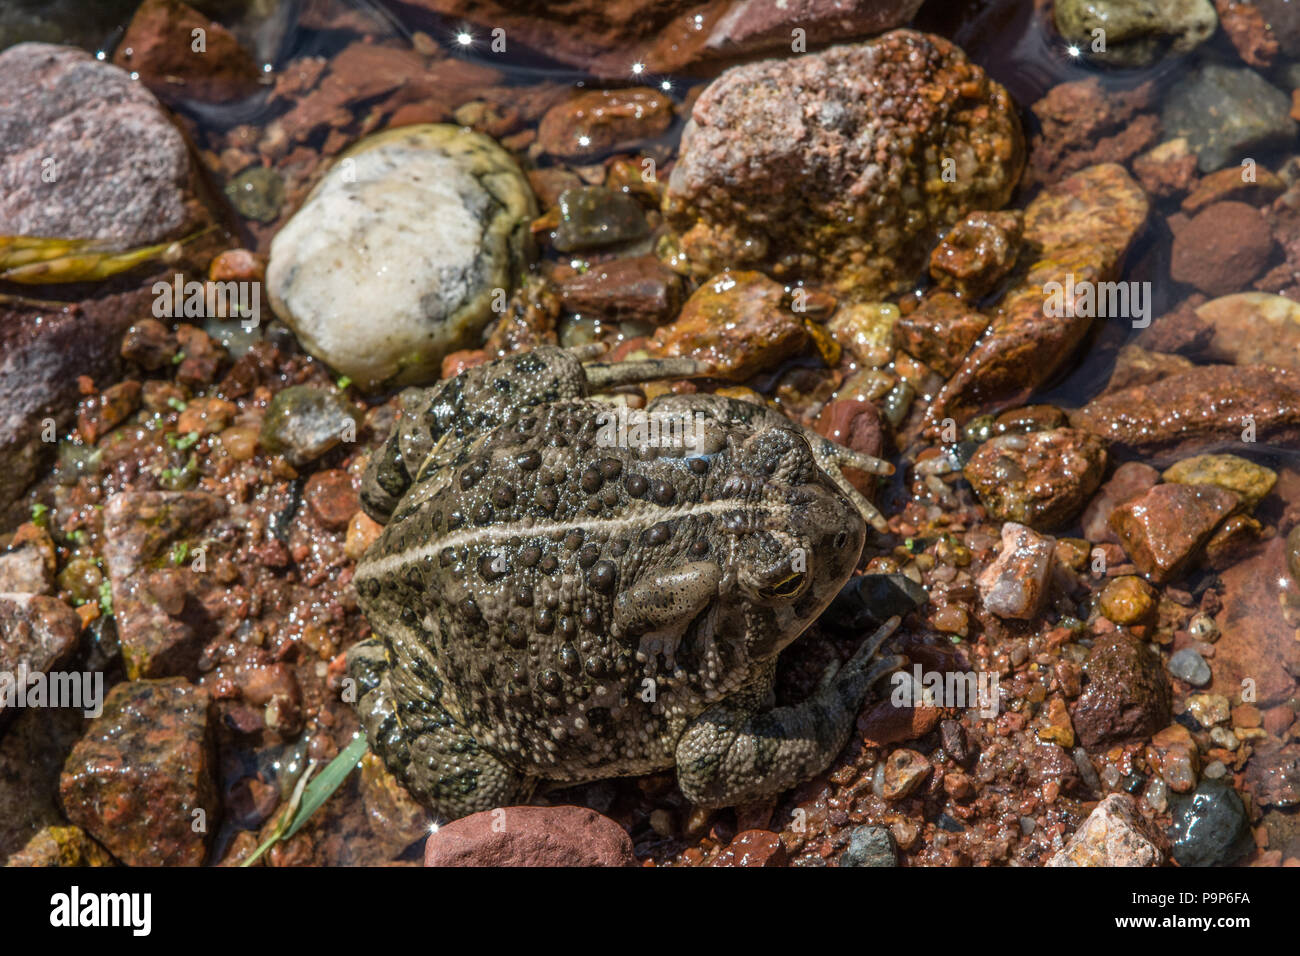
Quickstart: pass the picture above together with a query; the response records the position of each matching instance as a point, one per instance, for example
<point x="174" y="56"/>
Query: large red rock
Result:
<point x="136" y="779"/>
<point x="531" y="836"/>
<point x="606" y="37"/>
<point x="1164" y="530"/>
<point x="1256" y="643"/>
<point x="159" y="47"/>
<point x="1209" y="404"/>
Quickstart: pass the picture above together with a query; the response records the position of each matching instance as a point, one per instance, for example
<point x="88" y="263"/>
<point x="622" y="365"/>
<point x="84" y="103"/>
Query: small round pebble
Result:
<point x="1189" y="666"/>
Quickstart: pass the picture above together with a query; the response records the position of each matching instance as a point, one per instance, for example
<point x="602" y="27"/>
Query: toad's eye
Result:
<point x="787" y="588"/>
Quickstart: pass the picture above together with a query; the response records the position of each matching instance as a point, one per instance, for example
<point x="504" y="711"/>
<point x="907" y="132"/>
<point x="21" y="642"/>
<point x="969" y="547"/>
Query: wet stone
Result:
<point x="638" y="288"/>
<point x="303" y="422"/>
<point x="756" y="848"/>
<point x="870" y="846"/>
<point x="603" y="121"/>
<point x="977" y="252"/>
<point x="1222" y="249"/>
<point x="1189" y="666"/>
<point x="592" y="217"/>
<point x="1137" y="32"/>
<point x="1233" y="473"/>
<point x="1041" y="479"/>
<point x="1015" y="584"/>
<point x="531" y="836"/>
<point x="738" y="322"/>
<point x="774" y="173"/>
<point x="257" y="193"/>
<point x="1223" y="112"/>
<point x="61" y="846"/>
<point x="940" y="331"/>
<point x="1273" y="775"/>
<point x="143" y="768"/>
<point x="1127" y="694"/>
<point x="1115" y="834"/>
<point x="37" y="635"/>
<point x="1164" y="530"/>
<point x="1209" y="826"/>
<point x="1128" y="600"/>
<point x="905" y="771"/>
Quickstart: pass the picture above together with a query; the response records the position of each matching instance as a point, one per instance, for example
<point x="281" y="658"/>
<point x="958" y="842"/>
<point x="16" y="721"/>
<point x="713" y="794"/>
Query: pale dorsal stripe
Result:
<point x="492" y="534"/>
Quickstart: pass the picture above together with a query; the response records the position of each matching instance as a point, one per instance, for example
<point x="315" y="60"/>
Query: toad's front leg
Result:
<point x="740" y="751"/>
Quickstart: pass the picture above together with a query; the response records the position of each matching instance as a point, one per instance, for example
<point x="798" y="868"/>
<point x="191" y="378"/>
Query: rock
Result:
<point x="1126" y="696"/>
<point x="530" y="836"/>
<point x="1137" y="32"/>
<point x="977" y="252"/>
<point x="1042" y="479"/>
<point x="753" y="848"/>
<point x="905" y="770"/>
<point x="25" y="571"/>
<point x="1204" y="405"/>
<point x="1224" y="112"/>
<point x="1293" y="553"/>
<point x="597" y="122"/>
<point x="1189" y="666"/>
<point x="1222" y="249"/>
<point x="1249" y="481"/>
<point x="1128" y="600"/>
<point x="940" y="331"/>
<point x="1167" y="169"/>
<point x="1179" y="758"/>
<point x="37" y="635"/>
<point x="119" y="166"/>
<point x="1015" y="584"/>
<point x="1273" y="775"/>
<point x="158" y="46"/>
<point x="640" y="289"/>
<point x="1084" y="123"/>
<point x="870" y="846"/>
<point x="1131" y="480"/>
<point x="331" y="498"/>
<point x="1208" y="709"/>
<point x="738" y="322"/>
<point x="1248" y="29"/>
<point x="432" y="222"/>
<point x="865" y="330"/>
<point x="1253" y="327"/>
<point x="605" y="38"/>
<point x="396" y="820"/>
<point x="1084" y="226"/>
<point x="303" y="422"/>
<point x="1209" y="826"/>
<point x="1257" y="652"/>
<point x="157" y="602"/>
<point x="868" y="600"/>
<point x="257" y="193"/>
<point x="143" y="768"/>
<point x="882" y="723"/>
<point x="799" y="167"/>
<point x="1164" y="530"/>
<point x="1283" y="21"/>
<point x="61" y="846"/>
<point x="1258" y="189"/>
<point x="1115" y="834"/>
<point x="1135" y="365"/>
<point x="592" y="217"/>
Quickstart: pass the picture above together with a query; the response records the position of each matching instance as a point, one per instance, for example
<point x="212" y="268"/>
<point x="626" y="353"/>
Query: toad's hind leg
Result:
<point x="440" y="764"/>
<point x="743" y="750"/>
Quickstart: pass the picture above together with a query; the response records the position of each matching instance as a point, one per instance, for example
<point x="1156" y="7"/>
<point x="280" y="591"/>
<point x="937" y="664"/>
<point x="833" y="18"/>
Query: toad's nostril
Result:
<point x="841" y="539"/>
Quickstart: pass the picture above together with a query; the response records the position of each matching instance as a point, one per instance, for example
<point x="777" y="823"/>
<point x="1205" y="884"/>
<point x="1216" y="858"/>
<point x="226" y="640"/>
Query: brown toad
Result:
<point x="557" y="597"/>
